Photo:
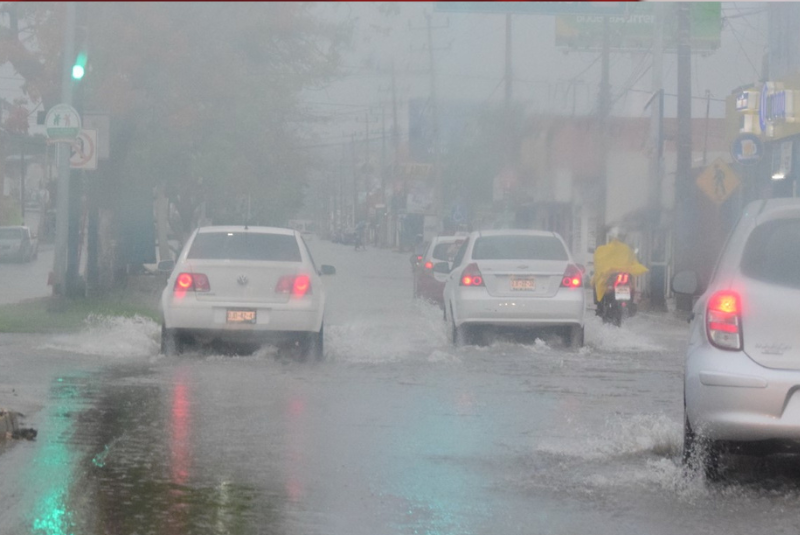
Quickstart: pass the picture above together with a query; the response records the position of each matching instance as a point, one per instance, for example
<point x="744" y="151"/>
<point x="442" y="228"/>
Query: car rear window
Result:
<point x="245" y="246"/>
<point x="772" y="253"/>
<point x="446" y="251"/>
<point x="519" y="248"/>
<point x="10" y="233"/>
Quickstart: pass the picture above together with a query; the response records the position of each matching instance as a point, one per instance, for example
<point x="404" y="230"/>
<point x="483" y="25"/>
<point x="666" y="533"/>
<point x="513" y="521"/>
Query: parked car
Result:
<point x="245" y="285"/>
<point x="514" y="278"/>
<point x="18" y="243"/>
<point x="742" y="374"/>
<point x="428" y="284"/>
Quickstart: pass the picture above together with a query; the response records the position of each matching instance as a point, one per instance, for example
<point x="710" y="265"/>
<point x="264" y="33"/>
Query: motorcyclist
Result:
<point x="614" y="257"/>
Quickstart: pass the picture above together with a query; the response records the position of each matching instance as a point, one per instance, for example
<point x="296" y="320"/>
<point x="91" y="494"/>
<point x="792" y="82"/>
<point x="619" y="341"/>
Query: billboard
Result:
<point x="634" y="30"/>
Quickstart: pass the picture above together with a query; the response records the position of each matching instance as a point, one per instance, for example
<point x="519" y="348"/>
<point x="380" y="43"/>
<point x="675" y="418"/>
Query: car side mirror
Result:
<point x="441" y="267"/>
<point x="328" y="270"/>
<point x="685" y="283"/>
<point x="166" y="266"/>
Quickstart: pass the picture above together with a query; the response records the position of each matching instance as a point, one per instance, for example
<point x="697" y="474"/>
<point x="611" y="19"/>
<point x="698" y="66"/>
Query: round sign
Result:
<point x="747" y="149"/>
<point x="62" y="122"/>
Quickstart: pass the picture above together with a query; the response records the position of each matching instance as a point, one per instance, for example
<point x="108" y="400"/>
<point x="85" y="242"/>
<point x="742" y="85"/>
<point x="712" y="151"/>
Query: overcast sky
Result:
<point x="469" y="52"/>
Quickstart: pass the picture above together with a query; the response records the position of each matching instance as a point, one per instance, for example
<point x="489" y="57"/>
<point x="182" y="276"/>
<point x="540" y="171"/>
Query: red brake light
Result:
<point x="723" y="320"/>
<point x="184" y="281"/>
<point x="573" y="278"/>
<point x="429" y="265"/>
<point x="419" y="258"/>
<point x="297" y="285"/>
<point x="622" y="279"/>
<point x="471" y="276"/>
<point x="197" y="282"/>
<point x="301" y="286"/>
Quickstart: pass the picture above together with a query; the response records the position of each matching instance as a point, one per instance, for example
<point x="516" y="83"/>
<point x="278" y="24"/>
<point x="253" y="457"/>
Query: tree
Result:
<point x="203" y="96"/>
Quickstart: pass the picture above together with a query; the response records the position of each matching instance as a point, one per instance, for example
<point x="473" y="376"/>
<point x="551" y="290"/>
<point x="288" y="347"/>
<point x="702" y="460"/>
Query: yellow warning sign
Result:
<point x="718" y="181"/>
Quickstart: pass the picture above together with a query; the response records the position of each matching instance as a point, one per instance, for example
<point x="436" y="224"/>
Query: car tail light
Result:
<point x="471" y="276"/>
<point x="428" y="265"/>
<point x="724" y="320"/>
<point x="573" y="277"/>
<point x="196" y="282"/>
<point x="297" y="285"/>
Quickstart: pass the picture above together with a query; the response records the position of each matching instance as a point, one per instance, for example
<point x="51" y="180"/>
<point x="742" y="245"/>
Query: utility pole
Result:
<point x="395" y="162"/>
<point x="438" y="201"/>
<point x="684" y="193"/>
<point x="603" y="111"/>
<point x="438" y="188"/>
<point x="62" y="161"/>
<point x="657" y="244"/>
<point x="355" y="177"/>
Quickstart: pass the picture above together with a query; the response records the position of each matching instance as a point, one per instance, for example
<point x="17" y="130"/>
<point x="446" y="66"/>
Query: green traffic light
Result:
<point x="79" y="68"/>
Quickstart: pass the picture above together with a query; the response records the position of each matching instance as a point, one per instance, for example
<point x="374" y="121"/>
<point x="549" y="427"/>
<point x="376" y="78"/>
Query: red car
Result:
<point x="427" y="284"/>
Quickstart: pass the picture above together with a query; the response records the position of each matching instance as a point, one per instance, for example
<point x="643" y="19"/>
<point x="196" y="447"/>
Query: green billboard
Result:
<point x="634" y="30"/>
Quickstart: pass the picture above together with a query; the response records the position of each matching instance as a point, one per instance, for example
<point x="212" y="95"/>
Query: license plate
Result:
<point x="241" y="316"/>
<point x="523" y="284"/>
<point x="622" y="293"/>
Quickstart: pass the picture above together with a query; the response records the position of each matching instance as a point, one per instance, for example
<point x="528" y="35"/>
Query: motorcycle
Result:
<point x="617" y="302"/>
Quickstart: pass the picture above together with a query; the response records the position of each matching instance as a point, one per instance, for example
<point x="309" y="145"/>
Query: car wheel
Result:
<point x="700" y="453"/>
<point x="170" y="342"/>
<point x="574" y="336"/>
<point x="459" y="334"/>
<point x="312" y="346"/>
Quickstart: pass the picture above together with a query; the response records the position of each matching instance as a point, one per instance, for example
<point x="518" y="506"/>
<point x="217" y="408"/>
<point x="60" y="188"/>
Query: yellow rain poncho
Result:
<point x="613" y="257"/>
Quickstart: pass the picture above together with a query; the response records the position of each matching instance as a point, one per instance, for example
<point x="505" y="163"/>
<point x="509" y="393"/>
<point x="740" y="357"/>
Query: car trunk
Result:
<point x="769" y="324"/>
<point x="522" y="278"/>
<point x="246" y="282"/>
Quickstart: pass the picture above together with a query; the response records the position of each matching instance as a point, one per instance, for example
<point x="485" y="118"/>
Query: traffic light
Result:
<point x="79" y="68"/>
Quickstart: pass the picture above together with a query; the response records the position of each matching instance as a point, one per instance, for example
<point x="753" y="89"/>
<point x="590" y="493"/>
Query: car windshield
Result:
<point x="518" y="247"/>
<point x="245" y="246"/>
<point x="772" y="252"/>
<point x="10" y="233"/>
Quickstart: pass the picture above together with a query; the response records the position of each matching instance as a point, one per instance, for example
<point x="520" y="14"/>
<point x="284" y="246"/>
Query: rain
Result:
<point x="370" y="130"/>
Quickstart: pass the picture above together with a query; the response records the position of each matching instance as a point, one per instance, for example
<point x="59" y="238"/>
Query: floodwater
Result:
<point x="396" y="432"/>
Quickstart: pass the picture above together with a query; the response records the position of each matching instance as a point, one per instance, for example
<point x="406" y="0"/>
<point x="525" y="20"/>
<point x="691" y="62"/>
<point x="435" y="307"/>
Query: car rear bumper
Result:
<point x="477" y="307"/>
<point x="730" y="397"/>
<point x="288" y="317"/>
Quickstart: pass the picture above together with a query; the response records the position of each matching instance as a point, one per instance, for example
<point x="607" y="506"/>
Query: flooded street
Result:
<point x="396" y="432"/>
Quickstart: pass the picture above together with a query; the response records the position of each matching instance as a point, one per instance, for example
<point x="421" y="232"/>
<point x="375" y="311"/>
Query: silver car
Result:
<point x="514" y="278"/>
<point x="742" y="378"/>
<point x="245" y="285"/>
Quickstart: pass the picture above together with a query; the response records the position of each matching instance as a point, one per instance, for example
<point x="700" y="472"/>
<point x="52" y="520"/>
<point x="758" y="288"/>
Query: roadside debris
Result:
<point x="10" y="428"/>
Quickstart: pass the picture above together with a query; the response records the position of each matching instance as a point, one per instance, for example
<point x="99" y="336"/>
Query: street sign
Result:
<point x="718" y="181"/>
<point x="634" y="29"/>
<point x="62" y="123"/>
<point x="84" y="151"/>
<point x="535" y="8"/>
<point x="747" y="149"/>
<point x="100" y="122"/>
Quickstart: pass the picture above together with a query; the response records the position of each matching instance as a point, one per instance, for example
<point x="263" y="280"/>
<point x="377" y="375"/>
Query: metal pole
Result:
<point x="656" y="243"/>
<point x="62" y="161"/>
<point x="684" y="194"/>
<point x="438" y="201"/>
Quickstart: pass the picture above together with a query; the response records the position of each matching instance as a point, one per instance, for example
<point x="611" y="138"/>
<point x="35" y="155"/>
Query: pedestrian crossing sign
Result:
<point x="718" y="181"/>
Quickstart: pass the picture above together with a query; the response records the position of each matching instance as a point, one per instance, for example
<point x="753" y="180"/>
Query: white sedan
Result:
<point x="514" y="278"/>
<point x="244" y="285"/>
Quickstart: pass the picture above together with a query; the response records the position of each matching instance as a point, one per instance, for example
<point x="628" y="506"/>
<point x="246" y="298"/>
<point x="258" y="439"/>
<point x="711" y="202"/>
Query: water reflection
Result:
<point x="115" y="458"/>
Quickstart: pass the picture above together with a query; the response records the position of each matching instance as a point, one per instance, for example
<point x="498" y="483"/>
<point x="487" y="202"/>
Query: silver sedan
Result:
<point x="514" y="278"/>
